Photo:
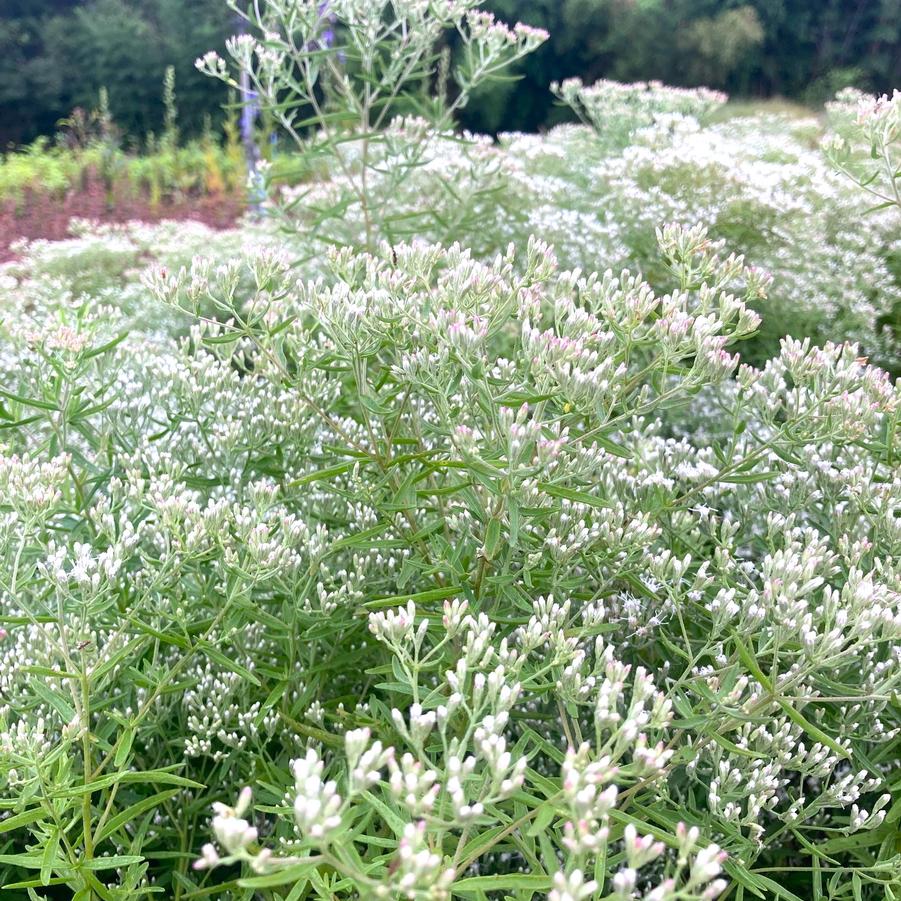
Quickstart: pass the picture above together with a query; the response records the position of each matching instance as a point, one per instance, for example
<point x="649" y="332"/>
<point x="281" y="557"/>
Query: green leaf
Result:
<point x="323" y="474"/>
<point x="570" y="494"/>
<point x="49" y="673"/>
<point x="54" y="698"/>
<point x="397" y="600"/>
<point x="28" y="861"/>
<point x="298" y="872"/>
<point x="544" y="819"/>
<point x="612" y="447"/>
<point x="506" y="881"/>
<point x="124" y="747"/>
<point x="26" y="818"/>
<point x="483" y="842"/>
<point x="215" y="654"/>
<point x="159" y="777"/>
<point x="133" y="812"/>
<point x="49" y="857"/>
<point x="396" y="822"/>
<point x="748" y="478"/>
<point x="28" y="401"/>
<point x="492" y="537"/>
<point x="166" y="637"/>
<point x="34" y="883"/>
<point x="879" y="206"/>
<point x="103" y="348"/>
<point x="111" y="863"/>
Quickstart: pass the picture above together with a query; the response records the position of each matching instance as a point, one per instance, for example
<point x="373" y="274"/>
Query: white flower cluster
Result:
<point x="616" y="110"/>
<point x="864" y="143"/>
<point x="758" y="183"/>
<point x="430" y="784"/>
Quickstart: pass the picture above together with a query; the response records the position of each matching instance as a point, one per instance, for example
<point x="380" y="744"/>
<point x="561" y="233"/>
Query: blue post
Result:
<point x="249" y="112"/>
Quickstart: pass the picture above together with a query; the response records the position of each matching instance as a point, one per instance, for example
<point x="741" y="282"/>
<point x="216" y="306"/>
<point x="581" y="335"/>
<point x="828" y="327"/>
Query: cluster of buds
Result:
<point x="234" y="833"/>
<point x="317" y="804"/>
<point x="395" y="626"/>
<point x="492" y="36"/>
<point x="418" y="870"/>
<point x="586" y="831"/>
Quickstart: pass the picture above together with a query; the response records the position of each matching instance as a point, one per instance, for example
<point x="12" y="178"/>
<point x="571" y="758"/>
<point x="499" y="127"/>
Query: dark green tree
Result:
<point x="57" y="54"/>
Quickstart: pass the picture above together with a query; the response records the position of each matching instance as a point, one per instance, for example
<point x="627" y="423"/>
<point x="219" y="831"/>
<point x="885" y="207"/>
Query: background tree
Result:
<point x="56" y="54"/>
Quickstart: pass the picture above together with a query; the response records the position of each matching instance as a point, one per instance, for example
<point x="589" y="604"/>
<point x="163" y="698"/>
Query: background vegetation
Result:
<point x="56" y="55"/>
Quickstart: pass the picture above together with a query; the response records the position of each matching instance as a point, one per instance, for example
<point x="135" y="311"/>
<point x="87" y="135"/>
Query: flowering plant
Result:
<point x="426" y="559"/>
<point x="334" y="75"/>
<point x="616" y="111"/>
<point x="864" y="145"/>
<point x="427" y="571"/>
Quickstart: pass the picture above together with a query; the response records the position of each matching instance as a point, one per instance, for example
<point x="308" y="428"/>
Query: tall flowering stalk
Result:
<point x="334" y="75"/>
<point x="865" y="143"/>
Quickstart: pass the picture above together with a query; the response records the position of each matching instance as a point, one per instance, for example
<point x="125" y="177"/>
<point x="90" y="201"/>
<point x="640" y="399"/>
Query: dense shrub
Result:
<point x="761" y="184"/>
<point x="648" y="155"/>
<point x="350" y="563"/>
<point x="242" y="541"/>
